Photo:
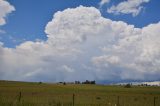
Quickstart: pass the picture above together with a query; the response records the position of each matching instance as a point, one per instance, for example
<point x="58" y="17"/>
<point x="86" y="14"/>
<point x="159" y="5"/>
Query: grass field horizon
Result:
<point x="14" y="93"/>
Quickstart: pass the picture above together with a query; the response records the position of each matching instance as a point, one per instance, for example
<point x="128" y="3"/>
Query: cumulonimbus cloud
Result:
<point x="84" y="45"/>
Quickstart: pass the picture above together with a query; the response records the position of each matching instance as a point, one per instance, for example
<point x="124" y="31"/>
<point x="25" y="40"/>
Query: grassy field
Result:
<point x="35" y="94"/>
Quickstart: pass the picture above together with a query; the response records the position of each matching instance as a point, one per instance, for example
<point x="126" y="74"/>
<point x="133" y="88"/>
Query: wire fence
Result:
<point x="82" y="100"/>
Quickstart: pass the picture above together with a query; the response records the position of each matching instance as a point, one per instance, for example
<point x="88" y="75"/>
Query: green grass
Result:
<point x="34" y="94"/>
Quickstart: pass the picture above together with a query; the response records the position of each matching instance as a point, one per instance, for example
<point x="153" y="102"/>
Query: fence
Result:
<point x="83" y="100"/>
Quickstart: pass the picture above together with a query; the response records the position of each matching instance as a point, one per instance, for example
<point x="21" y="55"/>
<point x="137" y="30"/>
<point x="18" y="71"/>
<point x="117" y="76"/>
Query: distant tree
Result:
<point x="77" y="82"/>
<point x="93" y="82"/>
<point x="64" y="83"/>
<point x="86" y="82"/>
<point x="127" y="86"/>
<point x="40" y="82"/>
<point x="146" y="84"/>
<point x="89" y="82"/>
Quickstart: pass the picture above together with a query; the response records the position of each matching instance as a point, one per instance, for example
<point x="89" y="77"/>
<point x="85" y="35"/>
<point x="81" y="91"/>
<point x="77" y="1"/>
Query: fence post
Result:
<point x="154" y="101"/>
<point x="19" y="97"/>
<point x="73" y="99"/>
<point x="118" y="101"/>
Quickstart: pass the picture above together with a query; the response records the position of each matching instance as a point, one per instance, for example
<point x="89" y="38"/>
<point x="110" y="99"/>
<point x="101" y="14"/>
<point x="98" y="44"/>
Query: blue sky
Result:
<point x="30" y="18"/>
<point x="59" y="40"/>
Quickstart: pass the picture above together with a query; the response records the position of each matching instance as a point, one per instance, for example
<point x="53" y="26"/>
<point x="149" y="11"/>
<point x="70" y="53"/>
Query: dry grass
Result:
<point x="34" y="94"/>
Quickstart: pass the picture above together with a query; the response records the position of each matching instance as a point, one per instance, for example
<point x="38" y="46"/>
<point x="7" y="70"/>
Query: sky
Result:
<point x="59" y="40"/>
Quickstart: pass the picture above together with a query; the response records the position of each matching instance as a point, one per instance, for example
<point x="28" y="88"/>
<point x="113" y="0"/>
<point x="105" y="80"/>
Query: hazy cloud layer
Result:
<point x="84" y="45"/>
<point x="5" y="9"/>
<point x="133" y="7"/>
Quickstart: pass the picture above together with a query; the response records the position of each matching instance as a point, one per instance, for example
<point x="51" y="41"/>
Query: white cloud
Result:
<point x="105" y="61"/>
<point x="67" y="68"/>
<point x="133" y="7"/>
<point x="5" y="9"/>
<point x="104" y="2"/>
<point x="2" y="31"/>
<point x="81" y="47"/>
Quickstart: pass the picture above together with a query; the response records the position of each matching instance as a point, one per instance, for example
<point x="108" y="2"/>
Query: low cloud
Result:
<point x="84" y="45"/>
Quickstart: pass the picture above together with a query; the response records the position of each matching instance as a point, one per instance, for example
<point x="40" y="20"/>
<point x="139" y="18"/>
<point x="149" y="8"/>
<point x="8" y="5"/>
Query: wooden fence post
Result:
<point x="20" y="96"/>
<point x="154" y="101"/>
<point x="118" y="101"/>
<point x="73" y="99"/>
